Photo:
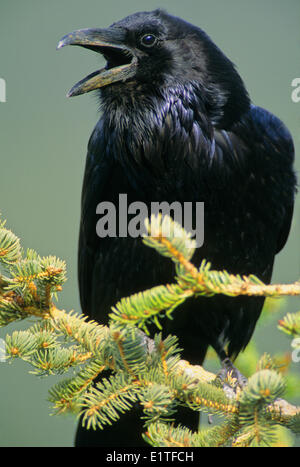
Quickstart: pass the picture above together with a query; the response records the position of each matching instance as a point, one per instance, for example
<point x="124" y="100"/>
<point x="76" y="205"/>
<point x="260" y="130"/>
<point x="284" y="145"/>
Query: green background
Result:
<point x="43" y="138"/>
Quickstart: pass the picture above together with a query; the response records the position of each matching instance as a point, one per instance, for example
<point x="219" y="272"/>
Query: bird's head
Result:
<point x="157" y="50"/>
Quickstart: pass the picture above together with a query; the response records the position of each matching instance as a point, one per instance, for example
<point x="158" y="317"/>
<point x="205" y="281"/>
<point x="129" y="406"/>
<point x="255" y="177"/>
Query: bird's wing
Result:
<point x="279" y="149"/>
<point x="96" y="179"/>
<point x="261" y="148"/>
<point x="286" y="227"/>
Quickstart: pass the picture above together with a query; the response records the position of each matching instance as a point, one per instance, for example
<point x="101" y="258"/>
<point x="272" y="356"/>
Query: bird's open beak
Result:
<point x="121" y="62"/>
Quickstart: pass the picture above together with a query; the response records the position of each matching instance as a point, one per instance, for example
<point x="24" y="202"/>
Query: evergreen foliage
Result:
<point x="144" y="370"/>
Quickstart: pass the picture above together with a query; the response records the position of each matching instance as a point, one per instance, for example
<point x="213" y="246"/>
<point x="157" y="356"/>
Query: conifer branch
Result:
<point x="151" y="305"/>
<point x="206" y="280"/>
<point x="142" y="370"/>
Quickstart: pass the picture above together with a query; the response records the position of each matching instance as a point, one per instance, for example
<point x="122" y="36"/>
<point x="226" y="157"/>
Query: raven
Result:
<point x="177" y="124"/>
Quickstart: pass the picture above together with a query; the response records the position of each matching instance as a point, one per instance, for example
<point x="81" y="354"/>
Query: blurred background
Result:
<point x="43" y="139"/>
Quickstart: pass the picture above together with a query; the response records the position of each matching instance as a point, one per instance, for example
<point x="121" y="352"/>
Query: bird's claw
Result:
<point x="231" y="377"/>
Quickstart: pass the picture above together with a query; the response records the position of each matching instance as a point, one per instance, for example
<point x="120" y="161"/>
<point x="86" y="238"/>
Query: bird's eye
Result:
<point x="148" y="40"/>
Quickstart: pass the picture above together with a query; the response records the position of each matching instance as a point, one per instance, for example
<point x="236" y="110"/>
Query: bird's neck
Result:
<point x="164" y="139"/>
<point x="158" y="126"/>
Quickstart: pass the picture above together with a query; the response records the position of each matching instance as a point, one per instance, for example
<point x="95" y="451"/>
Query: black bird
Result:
<point x="177" y="124"/>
